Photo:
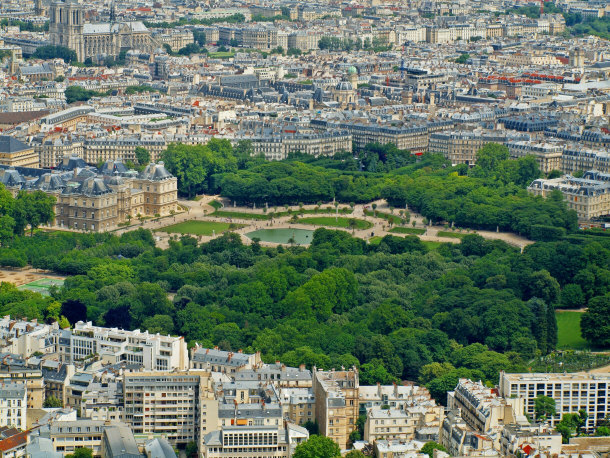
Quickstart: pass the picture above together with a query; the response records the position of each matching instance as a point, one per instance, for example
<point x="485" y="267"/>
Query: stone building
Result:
<point x="67" y="28"/>
<point x="336" y="410"/>
<point x="15" y="153"/>
<point x="98" y="200"/>
<point x="589" y="196"/>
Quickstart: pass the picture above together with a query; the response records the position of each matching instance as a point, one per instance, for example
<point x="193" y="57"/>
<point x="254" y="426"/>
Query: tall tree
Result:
<point x="33" y="209"/>
<point x="317" y="447"/>
<point x="142" y="155"/>
<point x="544" y="407"/>
<point x="595" y="322"/>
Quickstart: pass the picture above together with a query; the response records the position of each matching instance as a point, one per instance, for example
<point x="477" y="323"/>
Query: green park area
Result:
<point x="408" y="230"/>
<point x="240" y="215"/>
<point x="568" y="331"/>
<point x="331" y="221"/>
<point x="199" y="227"/>
<point x="221" y="55"/>
<point x="454" y="235"/>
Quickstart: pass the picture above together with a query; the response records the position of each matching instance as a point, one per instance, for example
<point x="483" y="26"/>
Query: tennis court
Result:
<point x="42" y="285"/>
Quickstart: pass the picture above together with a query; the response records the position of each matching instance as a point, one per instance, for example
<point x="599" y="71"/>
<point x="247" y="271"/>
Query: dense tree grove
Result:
<point x="55" y="52"/>
<point x="490" y="196"/>
<point x="396" y="310"/>
<point x="18" y="213"/>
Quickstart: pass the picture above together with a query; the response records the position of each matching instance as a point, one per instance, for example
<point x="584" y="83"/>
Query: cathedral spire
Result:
<point x="112" y="12"/>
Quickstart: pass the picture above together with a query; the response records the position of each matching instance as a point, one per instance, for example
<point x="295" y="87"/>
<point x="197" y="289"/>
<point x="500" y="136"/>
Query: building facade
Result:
<point x="67" y="28"/>
<point x="179" y="405"/>
<point x="336" y="394"/>
<point x="571" y="392"/>
<point x="589" y="196"/>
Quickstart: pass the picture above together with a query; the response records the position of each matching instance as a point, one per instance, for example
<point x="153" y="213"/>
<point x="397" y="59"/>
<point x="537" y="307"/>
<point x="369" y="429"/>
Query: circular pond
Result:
<point x="299" y="236"/>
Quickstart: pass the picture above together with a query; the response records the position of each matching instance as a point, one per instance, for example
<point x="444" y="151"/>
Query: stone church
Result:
<point x="67" y="28"/>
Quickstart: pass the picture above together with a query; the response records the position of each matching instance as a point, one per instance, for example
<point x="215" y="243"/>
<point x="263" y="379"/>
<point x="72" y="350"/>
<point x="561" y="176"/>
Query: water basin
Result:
<point x="300" y="236"/>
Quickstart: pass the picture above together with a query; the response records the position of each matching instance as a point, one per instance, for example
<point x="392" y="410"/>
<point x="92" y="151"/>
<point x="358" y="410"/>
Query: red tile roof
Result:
<point x="14" y="441"/>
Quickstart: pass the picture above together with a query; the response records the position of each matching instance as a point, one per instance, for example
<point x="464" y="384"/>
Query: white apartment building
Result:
<point x="13" y="404"/>
<point x="571" y="392"/>
<point x="179" y="405"/>
<point x="25" y="337"/>
<point x="113" y="345"/>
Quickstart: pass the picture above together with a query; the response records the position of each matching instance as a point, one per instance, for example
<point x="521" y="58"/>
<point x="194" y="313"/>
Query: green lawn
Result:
<point x="242" y="215"/>
<point x="215" y="204"/>
<point x="432" y="246"/>
<point x="568" y="331"/>
<point x="408" y="230"/>
<point x="455" y="235"/>
<point x="394" y="219"/>
<point x="221" y="55"/>
<point x="335" y="222"/>
<point x="375" y="240"/>
<point x="199" y="227"/>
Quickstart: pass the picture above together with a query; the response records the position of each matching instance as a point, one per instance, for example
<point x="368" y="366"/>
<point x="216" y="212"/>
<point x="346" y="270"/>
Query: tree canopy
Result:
<point x="317" y="447"/>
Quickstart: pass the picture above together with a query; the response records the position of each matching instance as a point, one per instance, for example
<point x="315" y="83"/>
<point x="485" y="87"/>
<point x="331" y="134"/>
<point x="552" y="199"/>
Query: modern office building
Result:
<point x="571" y="391"/>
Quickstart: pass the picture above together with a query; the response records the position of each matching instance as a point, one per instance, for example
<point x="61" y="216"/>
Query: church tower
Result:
<point x="39" y="9"/>
<point x="66" y="26"/>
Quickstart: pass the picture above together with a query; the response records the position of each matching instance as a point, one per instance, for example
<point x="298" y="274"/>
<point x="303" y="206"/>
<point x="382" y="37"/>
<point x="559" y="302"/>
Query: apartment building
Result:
<point x="22" y="337"/>
<point x="175" y="38"/>
<point x="481" y="407"/>
<point x="336" y="394"/>
<point x="516" y="438"/>
<point x="103" y="400"/>
<point x="66" y="436"/>
<point x="304" y="40"/>
<point x="255" y="441"/>
<point x="68" y="118"/>
<point x="576" y="158"/>
<point x="548" y="155"/>
<point x="571" y="392"/>
<point x="278" y="374"/>
<point x="298" y="405"/>
<point x="414" y="138"/>
<point x="179" y="405"/>
<point x="113" y="345"/>
<point x="395" y="396"/>
<point x="30" y="377"/>
<point x="122" y="147"/>
<point x="248" y="404"/>
<point x="13" y="443"/>
<point x="461" y="440"/>
<point x="57" y="377"/>
<point x="52" y="151"/>
<point x="15" y="153"/>
<point x="13" y="404"/>
<point x="226" y="362"/>
<point x="588" y="196"/>
<point x="277" y="146"/>
<point x="461" y="147"/>
<point x="397" y="424"/>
